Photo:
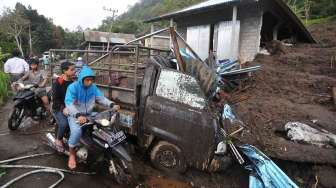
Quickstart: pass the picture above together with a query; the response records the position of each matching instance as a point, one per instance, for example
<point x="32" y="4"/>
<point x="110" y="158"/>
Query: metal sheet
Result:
<point x="198" y="37"/>
<point x="224" y="40"/>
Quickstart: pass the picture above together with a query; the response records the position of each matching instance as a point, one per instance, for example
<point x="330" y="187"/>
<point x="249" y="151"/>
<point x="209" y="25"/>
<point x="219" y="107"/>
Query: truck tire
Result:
<point x="168" y="157"/>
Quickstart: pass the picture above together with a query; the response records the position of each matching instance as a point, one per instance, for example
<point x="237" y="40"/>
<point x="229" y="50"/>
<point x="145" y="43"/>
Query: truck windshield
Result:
<point x="180" y="88"/>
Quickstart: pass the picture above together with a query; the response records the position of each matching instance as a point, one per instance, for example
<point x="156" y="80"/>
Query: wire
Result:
<point x="40" y="169"/>
<point x="35" y="172"/>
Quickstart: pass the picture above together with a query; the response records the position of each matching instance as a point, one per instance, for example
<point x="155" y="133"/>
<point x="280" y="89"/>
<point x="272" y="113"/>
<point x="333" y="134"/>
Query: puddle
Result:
<point x="159" y="182"/>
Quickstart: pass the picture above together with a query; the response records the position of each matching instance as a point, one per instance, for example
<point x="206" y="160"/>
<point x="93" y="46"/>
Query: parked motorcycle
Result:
<point x="26" y="104"/>
<point x="102" y="142"/>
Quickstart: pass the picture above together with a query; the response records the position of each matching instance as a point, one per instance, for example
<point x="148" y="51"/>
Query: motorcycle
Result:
<point x="102" y="143"/>
<point x="26" y="104"/>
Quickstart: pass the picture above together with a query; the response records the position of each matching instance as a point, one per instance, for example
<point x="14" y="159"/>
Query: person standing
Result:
<point x="45" y="61"/>
<point x="79" y="65"/>
<point x="16" y="67"/>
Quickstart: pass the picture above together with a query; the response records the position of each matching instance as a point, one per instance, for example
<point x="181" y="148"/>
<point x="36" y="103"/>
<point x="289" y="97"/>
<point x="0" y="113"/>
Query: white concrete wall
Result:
<point x="250" y="29"/>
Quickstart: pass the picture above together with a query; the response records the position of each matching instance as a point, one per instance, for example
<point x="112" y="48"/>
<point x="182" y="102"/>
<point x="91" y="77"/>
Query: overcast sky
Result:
<point x="71" y="13"/>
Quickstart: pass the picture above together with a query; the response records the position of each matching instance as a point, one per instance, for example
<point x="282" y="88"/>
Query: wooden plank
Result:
<point x="177" y="50"/>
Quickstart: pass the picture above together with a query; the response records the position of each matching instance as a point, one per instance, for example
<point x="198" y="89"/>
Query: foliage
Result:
<point x="3" y="56"/>
<point x="44" y="33"/>
<point x="4" y="81"/>
<point x="132" y="20"/>
<point x="321" y="20"/>
<point x="13" y="23"/>
<point x="317" y="8"/>
<point x="2" y="172"/>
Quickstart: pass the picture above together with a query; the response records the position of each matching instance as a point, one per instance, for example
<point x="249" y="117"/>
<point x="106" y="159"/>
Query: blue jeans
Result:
<point x="62" y="123"/>
<point x="75" y="132"/>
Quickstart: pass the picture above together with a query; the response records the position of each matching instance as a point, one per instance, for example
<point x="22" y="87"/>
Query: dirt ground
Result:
<point x="30" y="139"/>
<point x="295" y="86"/>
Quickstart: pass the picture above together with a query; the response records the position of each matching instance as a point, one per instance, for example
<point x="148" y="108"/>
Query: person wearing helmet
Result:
<point x="80" y="99"/>
<point x="39" y="78"/>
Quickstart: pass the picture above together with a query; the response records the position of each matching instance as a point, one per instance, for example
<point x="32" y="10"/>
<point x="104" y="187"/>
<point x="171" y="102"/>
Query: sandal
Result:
<point x="59" y="147"/>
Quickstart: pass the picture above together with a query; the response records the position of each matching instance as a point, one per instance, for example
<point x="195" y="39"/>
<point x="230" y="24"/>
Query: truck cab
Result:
<point x="176" y="124"/>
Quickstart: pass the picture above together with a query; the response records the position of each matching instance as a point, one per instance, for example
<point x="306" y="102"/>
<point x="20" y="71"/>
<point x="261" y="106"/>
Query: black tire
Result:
<point x="168" y="157"/>
<point x="15" y="120"/>
<point x="125" y="175"/>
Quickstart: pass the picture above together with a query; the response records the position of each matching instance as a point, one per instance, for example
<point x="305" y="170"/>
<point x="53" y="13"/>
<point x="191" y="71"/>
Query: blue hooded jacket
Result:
<point x="80" y="100"/>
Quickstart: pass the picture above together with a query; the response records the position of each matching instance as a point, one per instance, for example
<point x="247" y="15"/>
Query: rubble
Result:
<point x="300" y="132"/>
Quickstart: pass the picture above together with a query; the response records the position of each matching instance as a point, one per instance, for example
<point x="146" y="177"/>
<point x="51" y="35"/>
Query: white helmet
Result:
<point x="79" y="59"/>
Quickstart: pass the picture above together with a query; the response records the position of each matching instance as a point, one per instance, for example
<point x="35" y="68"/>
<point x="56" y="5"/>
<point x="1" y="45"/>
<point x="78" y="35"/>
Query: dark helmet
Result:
<point x="16" y="52"/>
<point x="34" y="61"/>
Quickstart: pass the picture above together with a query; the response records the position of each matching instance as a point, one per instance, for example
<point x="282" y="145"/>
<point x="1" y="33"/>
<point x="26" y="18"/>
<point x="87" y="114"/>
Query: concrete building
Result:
<point x="236" y="29"/>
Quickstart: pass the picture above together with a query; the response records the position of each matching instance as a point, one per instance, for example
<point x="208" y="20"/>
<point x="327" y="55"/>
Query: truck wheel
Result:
<point x="168" y="157"/>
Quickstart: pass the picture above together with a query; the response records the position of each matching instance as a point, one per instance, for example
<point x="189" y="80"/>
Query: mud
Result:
<point x="30" y="139"/>
<point x="294" y="86"/>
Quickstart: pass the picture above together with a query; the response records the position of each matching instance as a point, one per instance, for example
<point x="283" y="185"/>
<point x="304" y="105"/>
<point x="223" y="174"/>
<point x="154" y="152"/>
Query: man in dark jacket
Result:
<point x="59" y="88"/>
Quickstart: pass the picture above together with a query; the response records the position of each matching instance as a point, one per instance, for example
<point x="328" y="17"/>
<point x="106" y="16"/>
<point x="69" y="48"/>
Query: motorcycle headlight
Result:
<point x="28" y="86"/>
<point x="104" y="122"/>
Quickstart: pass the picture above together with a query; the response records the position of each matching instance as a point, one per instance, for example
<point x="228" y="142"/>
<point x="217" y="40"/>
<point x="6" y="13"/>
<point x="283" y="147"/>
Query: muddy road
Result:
<point x="30" y="139"/>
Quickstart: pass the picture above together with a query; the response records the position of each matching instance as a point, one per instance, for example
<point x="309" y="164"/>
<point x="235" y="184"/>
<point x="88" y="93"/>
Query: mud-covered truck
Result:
<point x="166" y="110"/>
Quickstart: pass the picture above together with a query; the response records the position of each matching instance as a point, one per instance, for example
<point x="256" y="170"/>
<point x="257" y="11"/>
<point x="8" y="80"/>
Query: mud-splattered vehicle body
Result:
<point x="176" y="121"/>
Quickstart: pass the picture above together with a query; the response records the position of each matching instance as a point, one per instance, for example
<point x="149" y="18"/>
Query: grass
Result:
<point x="320" y="20"/>
<point x="4" y="91"/>
<point x="2" y="172"/>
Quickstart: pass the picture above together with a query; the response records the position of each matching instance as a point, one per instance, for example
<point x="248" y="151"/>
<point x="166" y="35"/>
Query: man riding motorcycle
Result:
<point x="39" y="78"/>
<point x="80" y="100"/>
<point x="59" y="88"/>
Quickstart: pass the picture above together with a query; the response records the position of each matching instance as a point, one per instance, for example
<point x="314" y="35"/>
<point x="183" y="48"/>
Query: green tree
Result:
<point x="14" y="23"/>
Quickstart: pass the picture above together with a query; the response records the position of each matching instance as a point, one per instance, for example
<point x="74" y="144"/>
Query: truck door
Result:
<point x="176" y="113"/>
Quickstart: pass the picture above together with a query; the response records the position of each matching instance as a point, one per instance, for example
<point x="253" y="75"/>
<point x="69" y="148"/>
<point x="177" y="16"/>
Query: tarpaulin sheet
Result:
<point x="265" y="173"/>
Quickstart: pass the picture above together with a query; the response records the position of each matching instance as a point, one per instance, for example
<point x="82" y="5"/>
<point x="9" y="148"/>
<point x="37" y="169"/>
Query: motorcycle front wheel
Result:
<point x="122" y="171"/>
<point x="15" y="118"/>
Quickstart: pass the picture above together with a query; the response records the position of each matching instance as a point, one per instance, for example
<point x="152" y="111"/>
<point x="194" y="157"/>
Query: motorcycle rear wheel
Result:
<point x="15" y="118"/>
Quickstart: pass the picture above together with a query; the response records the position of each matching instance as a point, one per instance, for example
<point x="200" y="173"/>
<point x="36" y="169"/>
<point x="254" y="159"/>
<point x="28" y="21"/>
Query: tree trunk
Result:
<point x="30" y="43"/>
<point x="18" y="43"/>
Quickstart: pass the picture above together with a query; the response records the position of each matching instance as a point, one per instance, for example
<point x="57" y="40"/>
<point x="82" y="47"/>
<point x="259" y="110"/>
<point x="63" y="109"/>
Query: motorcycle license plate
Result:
<point x="117" y="138"/>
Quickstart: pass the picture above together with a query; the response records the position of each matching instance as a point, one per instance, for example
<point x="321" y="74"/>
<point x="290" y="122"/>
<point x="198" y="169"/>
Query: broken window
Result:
<point x="180" y="88"/>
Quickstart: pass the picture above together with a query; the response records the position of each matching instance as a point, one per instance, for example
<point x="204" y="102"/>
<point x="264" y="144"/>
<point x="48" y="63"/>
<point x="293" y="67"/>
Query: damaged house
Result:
<point x="95" y="40"/>
<point x="236" y="29"/>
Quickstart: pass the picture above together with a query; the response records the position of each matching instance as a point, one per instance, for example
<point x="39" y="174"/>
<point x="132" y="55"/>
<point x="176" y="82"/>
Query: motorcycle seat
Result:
<point x="24" y="94"/>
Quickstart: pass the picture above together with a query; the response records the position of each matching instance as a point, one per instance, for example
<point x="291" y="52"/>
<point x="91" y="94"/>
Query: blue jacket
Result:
<point x="80" y="100"/>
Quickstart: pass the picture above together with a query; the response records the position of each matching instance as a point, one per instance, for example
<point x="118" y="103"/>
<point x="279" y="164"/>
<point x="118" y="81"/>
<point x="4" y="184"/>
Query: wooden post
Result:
<point x="152" y="38"/>
<point x="275" y="31"/>
<point x="334" y="94"/>
<point x="177" y="50"/>
<point x="233" y="34"/>
<point x="170" y="41"/>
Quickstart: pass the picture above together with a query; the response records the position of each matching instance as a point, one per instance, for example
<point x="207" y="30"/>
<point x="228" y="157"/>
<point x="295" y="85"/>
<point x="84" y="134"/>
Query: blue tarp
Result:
<point x="265" y="173"/>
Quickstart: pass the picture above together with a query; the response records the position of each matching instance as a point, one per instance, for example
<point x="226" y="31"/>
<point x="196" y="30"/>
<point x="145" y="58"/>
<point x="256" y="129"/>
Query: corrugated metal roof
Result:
<point x="206" y="4"/>
<point x="200" y="6"/>
<point x="104" y="37"/>
<point x="218" y="4"/>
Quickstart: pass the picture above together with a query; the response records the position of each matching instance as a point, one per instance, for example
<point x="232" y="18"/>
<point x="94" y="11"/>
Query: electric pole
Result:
<point x="114" y="15"/>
